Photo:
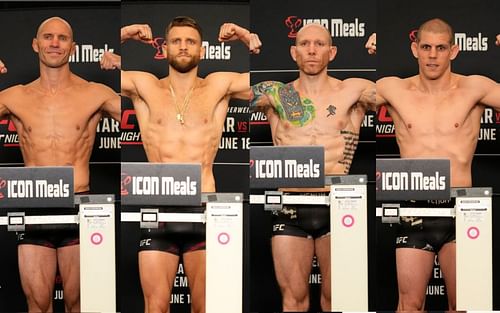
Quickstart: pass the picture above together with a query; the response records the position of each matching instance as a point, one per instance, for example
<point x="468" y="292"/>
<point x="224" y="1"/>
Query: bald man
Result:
<point x="314" y="109"/>
<point x="56" y="117"/>
<point x="436" y="114"/>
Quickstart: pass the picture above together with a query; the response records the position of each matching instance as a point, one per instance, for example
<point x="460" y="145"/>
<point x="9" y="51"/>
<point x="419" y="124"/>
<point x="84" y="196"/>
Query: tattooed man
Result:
<point x="315" y="109"/>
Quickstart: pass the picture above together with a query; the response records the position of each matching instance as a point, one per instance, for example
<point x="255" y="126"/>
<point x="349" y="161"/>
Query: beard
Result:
<point x="183" y="67"/>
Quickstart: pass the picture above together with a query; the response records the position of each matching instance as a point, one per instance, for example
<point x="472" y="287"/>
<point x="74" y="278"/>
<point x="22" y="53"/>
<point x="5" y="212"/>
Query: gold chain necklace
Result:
<point x="181" y="110"/>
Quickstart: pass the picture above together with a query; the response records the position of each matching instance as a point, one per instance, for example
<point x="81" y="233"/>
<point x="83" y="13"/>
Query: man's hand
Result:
<point x="255" y="44"/>
<point x="498" y="40"/>
<point x="230" y="32"/>
<point x="139" y="32"/>
<point x="111" y="61"/>
<point x="3" y="69"/>
<point x="371" y="44"/>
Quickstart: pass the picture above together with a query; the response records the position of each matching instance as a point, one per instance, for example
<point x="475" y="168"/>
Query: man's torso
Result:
<point x="167" y="140"/>
<point x="56" y="129"/>
<point x="444" y="125"/>
<point x="332" y="120"/>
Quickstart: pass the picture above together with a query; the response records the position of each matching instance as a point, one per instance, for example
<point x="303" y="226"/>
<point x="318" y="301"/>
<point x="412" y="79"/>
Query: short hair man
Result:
<point x="56" y="117"/>
<point x="449" y="129"/>
<point x="181" y="118"/>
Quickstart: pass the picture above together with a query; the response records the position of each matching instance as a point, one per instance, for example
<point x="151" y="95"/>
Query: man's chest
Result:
<point x="199" y="108"/>
<point x="450" y="112"/>
<point x="64" y="109"/>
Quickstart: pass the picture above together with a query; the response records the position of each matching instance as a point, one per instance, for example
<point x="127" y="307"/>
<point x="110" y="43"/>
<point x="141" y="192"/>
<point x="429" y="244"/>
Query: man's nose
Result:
<point x="433" y="52"/>
<point x="311" y="49"/>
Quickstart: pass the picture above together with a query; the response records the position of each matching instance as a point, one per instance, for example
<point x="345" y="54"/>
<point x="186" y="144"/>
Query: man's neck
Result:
<point x="433" y="86"/>
<point x="182" y="82"/>
<point x="312" y="84"/>
<point x="54" y="79"/>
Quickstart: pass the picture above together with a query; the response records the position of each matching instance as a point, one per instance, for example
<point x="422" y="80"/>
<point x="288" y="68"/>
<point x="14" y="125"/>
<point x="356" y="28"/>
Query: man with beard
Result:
<point x="181" y="118"/>
<point x="315" y="109"/>
<point x="436" y="114"/>
<point x="56" y="118"/>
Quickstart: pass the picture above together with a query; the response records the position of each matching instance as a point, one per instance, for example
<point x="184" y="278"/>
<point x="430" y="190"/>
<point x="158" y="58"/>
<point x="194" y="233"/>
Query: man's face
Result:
<point x="434" y="53"/>
<point x="54" y="43"/>
<point x="183" y="48"/>
<point x="313" y="50"/>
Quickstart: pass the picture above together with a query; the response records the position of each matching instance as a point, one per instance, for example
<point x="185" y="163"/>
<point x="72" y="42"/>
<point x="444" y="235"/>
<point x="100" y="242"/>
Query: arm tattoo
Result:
<point x="262" y="90"/>
<point x="351" y="140"/>
<point x="286" y="101"/>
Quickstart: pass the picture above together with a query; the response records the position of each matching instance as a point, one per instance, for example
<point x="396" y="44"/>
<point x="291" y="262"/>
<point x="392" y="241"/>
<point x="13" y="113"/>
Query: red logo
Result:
<point x="3" y="183"/>
<point x="157" y="43"/>
<point x="126" y="179"/>
<point x="293" y="23"/>
<point x="413" y="35"/>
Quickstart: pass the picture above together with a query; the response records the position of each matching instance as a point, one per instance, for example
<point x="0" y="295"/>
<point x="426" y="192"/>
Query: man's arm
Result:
<point x="498" y="40"/>
<point x="489" y="90"/>
<point x="3" y="68"/>
<point x="230" y="32"/>
<point x="129" y="79"/>
<point x="139" y="32"/>
<point x="384" y="88"/>
<point x="235" y="85"/>
<point x="4" y="111"/>
<point x="112" y="103"/>
<point x="366" y="90"/>
<point x="266" y="93"/>
<point x="371" y="44"/>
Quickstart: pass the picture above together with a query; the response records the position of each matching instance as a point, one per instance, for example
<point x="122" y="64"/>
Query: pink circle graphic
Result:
<point x="223" y="238"/>
<point x="96" y="238"/>
<point x="348" y="220"/>
<point x="473" y="232"/>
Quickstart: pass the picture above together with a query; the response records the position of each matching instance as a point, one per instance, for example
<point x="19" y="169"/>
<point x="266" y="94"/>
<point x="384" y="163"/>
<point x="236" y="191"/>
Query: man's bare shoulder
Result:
<point x="394" y="83"/>
<point x="473" y="81"/>
<point x="99" y="88"/>
<point x="142" y="75"/>
<point x="218" y="77"/>
<point x="356" y="82"/>
<point x="14" y="90"/>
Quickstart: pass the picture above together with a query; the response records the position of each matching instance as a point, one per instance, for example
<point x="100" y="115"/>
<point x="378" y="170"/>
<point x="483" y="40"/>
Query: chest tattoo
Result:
<point x="291" y="108"/>
<point x="331" y="110"/>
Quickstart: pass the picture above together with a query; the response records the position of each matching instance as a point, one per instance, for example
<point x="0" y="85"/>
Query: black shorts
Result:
<point x="306" y="221"/>
<point x="426" y="233"/>
<point x="175" y="237"/>
<point x="53" y="236"/>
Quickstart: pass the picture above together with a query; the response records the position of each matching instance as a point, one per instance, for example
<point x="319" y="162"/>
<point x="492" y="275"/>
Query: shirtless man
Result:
<point x="436" y="113"/>
<point x="181" y="118"/>
<point x="56" y="118"/>
<point x="315" y="109"/>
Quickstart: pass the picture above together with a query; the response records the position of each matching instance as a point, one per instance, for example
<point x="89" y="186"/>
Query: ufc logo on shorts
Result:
<point x="278" y="227"/>
<point x="145" y="242"/>
<point x="401" y="239"/>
